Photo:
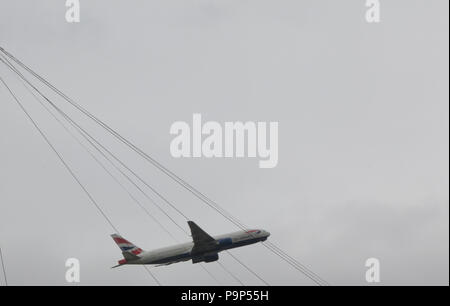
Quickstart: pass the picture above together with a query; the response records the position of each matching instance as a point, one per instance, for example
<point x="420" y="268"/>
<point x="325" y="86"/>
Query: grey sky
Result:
<point x="363" y="116"/>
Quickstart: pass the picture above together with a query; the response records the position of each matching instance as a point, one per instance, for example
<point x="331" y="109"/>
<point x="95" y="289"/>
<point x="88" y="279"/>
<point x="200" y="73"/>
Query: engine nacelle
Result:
<point x="206" y="258"/>
<point x="211" y="258"/>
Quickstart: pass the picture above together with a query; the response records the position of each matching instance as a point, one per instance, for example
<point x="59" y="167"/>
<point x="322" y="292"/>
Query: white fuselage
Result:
<point x="183" y="252"/>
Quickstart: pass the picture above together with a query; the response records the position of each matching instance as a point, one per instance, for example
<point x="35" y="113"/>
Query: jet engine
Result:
<point x="206" y="258"/>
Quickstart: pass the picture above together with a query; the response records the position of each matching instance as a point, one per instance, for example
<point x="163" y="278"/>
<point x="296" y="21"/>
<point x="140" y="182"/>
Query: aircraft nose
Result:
<point x="267" y="233"/>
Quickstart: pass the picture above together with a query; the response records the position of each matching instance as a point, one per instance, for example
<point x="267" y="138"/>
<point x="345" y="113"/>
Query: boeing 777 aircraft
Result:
<point x="204" y="248"/>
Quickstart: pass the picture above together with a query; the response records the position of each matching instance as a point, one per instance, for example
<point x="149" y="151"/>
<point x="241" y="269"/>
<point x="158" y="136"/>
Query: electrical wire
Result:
<point x="100" y="210"/>
<point x="274" y="249"/>
<point x="3" y="267"/>
<point x="60" y="157"/>
<point x="230" y="273"/>
<point x="78" y="128"/>
<point x="248" y="268"/>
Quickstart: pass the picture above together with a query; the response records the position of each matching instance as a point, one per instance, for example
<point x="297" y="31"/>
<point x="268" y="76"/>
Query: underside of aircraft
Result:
<point x="203" y="248"/>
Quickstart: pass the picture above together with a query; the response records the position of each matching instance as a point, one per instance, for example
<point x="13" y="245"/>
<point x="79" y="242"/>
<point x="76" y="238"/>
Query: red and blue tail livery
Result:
<point x="129" y="250"/>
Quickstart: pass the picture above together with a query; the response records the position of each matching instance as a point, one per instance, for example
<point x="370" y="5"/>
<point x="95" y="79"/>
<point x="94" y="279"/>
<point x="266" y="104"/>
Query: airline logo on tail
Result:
<point x="129" y="250"/>
<point x="125" y="245"/>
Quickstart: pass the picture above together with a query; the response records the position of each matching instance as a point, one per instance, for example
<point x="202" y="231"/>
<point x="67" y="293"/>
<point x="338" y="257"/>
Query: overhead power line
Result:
<point x="65" y="164"/>
<point x="229" y="272"/>
<point x="88" y="138"/>
<point x="74" y="176"/>
<point x="3" y="267"/>
<point x="274" y="249"/>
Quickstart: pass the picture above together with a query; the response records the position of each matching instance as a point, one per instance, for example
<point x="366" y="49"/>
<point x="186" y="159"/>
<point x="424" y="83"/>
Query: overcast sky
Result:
<point x="363" y="136"/>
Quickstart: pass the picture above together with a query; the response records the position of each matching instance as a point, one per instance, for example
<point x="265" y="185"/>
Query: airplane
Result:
<point x="203" y="248"/>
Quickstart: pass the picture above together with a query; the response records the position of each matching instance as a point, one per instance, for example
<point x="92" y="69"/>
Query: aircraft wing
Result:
<point x="201" y="239"/>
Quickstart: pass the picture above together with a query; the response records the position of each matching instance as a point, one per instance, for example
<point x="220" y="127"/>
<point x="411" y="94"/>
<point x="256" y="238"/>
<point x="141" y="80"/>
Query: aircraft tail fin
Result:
<point x="129" y="250"/>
